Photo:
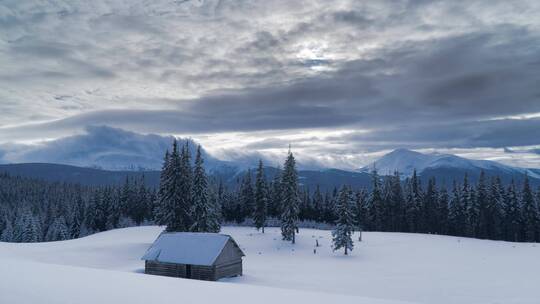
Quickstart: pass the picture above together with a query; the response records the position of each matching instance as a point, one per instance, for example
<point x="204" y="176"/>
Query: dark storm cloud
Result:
<point x="420" y="74"/>
<point x="432" y="93"/>
<point x="479" y="134"/>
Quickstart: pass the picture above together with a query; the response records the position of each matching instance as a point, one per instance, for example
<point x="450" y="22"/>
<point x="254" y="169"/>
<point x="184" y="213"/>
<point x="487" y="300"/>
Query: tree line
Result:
<point x="34" y="211"/>
<point x="188" y="200"/>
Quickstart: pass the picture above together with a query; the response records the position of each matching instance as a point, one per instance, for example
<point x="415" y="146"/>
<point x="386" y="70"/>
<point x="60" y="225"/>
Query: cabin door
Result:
<point x="188" y="271"/>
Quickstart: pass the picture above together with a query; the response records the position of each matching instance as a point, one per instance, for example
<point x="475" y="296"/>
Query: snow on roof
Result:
<point x="187" y="248"/>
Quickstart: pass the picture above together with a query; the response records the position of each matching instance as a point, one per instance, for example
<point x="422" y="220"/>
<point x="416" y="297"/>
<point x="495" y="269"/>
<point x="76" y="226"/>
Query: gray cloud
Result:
<point x="420" y="74"/>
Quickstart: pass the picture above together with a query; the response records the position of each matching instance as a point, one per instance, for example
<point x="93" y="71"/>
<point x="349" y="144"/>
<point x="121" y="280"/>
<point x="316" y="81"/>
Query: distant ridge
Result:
<point x="446" y="167"/>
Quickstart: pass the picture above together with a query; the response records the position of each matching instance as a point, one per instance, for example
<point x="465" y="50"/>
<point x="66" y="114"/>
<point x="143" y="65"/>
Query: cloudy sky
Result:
<point x="342" y="81"/>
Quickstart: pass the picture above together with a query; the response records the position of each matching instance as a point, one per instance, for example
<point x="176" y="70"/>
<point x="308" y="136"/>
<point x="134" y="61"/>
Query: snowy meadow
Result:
<point x="383" y="268"/>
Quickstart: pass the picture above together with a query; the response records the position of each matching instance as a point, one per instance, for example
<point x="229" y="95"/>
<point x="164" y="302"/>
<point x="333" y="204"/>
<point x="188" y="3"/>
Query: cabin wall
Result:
<point x="230" y="269"/>
<point x="206" y="273"/>
<point x="165" y="269"/>
<point x="230" y="253"/>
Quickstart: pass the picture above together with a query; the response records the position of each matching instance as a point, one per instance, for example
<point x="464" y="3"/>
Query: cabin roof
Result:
<point x="188" y="248"/>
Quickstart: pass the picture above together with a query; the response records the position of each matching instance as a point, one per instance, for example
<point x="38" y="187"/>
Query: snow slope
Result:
<point x="385" y="268"/>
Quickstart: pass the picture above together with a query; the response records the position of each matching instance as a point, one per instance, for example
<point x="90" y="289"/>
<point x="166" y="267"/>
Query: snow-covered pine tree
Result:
<point x="58" y="231"/>
<point x="342" y="234"/>
<point x="247" y="196"/>
<point x="175" y="191"/>
<point x="442" y="210"/>
<point x="494" y="209"/>
<point x="429" y="208"/>
<point x="396" y="203"/>
<point x="290" y="201"/>
<point x="76" y="216"/>
<point x="216" y="198"/>
<point x="274" y="202"/>
<point x="512" y="214"/>
<point x="163" y="207"/>
<point x="376" y="202"/>
<point x="204" y="217"/>
<point x="185" y="190"/>
<point x="7" y="233"/>
<point x="27" y="228"/>
<point x="361" y="209"/>
<point x="261" y="196"/>
<point x="529" y="213"/>
<point x="140" y="203"/>
<point x="318" y="204"/>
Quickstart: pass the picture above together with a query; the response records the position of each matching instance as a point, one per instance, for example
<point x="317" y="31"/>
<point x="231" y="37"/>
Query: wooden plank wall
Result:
<point x="165" y="269"/>
<point x="230" y="269"/>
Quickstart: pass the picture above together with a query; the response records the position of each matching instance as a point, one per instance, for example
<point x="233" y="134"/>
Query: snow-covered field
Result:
<point x="385" y="268"/>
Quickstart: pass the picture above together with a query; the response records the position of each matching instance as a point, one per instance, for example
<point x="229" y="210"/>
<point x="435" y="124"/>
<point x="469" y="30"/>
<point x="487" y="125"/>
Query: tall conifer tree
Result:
<point x="290" y="201"/>
<point x="261" y="196"/>
<point x="342" y="234"/>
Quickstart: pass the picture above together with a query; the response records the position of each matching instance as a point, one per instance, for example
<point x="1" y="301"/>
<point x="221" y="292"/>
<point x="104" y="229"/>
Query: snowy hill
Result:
<point x="385" y="268"/>
<point x="443" y="165"/>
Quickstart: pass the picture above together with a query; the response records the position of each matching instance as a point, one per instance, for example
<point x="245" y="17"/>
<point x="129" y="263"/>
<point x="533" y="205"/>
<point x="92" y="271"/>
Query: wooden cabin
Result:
<point x="201" y="256"/>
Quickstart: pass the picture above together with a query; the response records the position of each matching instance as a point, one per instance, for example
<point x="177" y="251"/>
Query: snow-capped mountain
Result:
<point x="438" y="164"/>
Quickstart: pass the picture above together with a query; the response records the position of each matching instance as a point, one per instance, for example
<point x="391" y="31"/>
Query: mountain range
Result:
<point x="444" y="167"/>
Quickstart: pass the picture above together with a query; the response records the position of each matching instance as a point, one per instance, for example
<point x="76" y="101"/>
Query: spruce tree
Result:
<point x="361" y="209"/>
<point x="512" y="214"/>
<point x="494" y="210"/>
<point x="28" y="229"/>
<point x="184" y="189"/>
<point x="290" y="201"/>
<point x="318" y="204"/>
<point x="163" y="212"/>
<point x="529" y="213"/>
<point x="58" y="230"/>
<point x="7" y="233"/>
<point x="261" y="196"/>
<point x="376" y="202"/>
<point x="442" y="211"/>
<point x="175" y="191"/>
<point x="274" y="206"/>
<point x="430" y="202"/>
<point x="342" y="234"/>
<point x="204" y="217"/>
<point x="247" y="196"/>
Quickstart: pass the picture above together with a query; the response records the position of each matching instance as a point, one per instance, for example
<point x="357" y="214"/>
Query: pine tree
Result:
<point x="260" y="214"/>
<point x="163" y="212"/>
<point x="468" y="205"/>
<point x="175" y="191"/>
<point x="512" y="214"/>
<point x="482" y="205"/>
<point x="361" y="209"/>
<point x="102" y="219"/>
<point x="455" y="212"/>
<point x="397" y="203"/>
<point x="376" y="202"/>
<point x="430" y="202"/>
<point x="7" y="233"/>
<point x="442" y="211"/>
<point x="290" y="202"/>
<point x="529" y="213"/>
<point x="318" y="205"/>
<point x="28" y="229"/>
<point x="247" y="196"/>
<point x="184" y="186"/>
<point x="58" y="230"/>
<point x="342" y="234"/>
<point x="494" y="210"/>
<point x="274" y="206"/>
<point x="204" y="217"/>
